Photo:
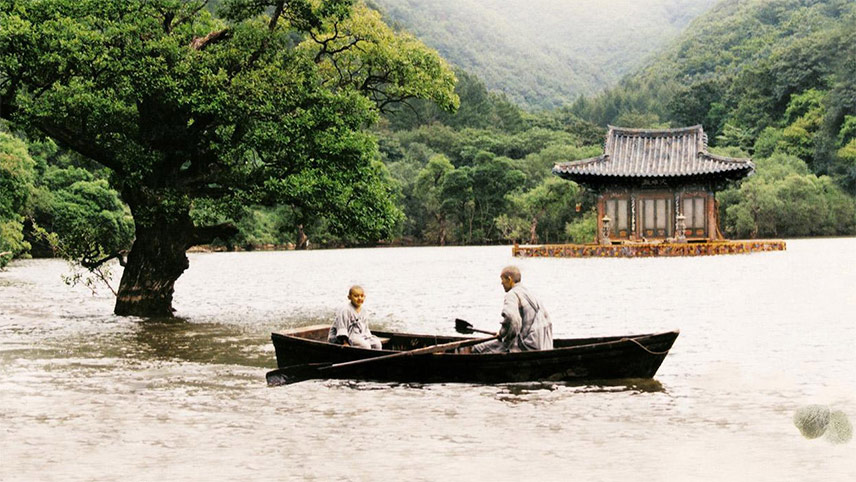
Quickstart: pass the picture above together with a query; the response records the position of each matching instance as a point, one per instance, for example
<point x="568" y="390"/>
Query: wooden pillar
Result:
<point x="710" y="217"/>
<point x="601" y="210"/>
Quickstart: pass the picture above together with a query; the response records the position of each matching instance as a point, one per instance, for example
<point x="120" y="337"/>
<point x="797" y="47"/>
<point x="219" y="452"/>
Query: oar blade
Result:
<point x="463" y="326"/>
<point x="294" y="374"/>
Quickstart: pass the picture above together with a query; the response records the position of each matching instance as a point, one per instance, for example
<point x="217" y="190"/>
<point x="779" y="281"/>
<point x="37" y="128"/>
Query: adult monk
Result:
<point x="525" y="325"/>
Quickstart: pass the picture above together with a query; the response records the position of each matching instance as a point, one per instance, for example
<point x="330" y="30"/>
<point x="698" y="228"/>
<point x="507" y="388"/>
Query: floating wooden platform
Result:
<point x="646" y="250"/>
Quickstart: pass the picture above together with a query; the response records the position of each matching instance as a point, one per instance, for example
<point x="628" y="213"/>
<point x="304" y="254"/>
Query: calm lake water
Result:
<point x="85" y="395"/>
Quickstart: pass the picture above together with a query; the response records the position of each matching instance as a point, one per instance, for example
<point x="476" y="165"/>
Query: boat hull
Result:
<point x="635" y="356"/>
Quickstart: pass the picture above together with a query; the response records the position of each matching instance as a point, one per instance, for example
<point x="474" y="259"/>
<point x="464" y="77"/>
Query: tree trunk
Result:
<point x="158" y="257"/>
<point x="155" y="262"/>
<point x="302" y="239"/>
<point x="533" y="231"/>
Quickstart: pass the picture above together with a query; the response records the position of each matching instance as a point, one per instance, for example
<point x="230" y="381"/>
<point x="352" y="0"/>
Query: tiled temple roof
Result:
<point x="651" y="153"/>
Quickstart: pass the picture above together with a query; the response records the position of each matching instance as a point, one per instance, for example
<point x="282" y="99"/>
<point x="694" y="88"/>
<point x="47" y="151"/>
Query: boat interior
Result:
<point x="406" y="341"/>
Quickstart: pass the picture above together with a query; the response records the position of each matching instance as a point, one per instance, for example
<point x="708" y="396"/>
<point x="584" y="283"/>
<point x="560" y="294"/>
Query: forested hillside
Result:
<point x="482" y="175"/>
<point x="770" y="78"/>
<point x="545" y="53"/>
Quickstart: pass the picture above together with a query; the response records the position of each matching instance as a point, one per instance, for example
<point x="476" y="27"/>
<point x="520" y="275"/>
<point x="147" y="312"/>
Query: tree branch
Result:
<point x="192" y="13"/>
<point x="325" y="44"/>
<point x="80" y="143"/>
<point x="167" y="21"/>
<point x="7" y="108"/>
<point x="91" y="264"/>
<point x="419" y="117"/>
<point x="343" y="48"/>
<point x="277" y="12"/>
<point x="199" y="43"/>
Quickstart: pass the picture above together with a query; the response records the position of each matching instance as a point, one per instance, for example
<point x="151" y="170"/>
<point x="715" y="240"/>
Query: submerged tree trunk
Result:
<point x="155" y="262"/>
<point x="157" y="259"/>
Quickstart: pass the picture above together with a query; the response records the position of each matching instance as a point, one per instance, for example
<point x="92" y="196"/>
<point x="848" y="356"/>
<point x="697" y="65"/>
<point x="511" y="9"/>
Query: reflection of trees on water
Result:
<point x="215" y="343"/>
<point x="179" y="339"/>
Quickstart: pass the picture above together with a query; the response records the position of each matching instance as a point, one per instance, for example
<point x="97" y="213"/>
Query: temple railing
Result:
<point x="644" y="250"/>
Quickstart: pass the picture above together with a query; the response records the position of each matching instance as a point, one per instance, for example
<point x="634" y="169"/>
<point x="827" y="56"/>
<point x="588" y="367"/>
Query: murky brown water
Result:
<point x="85" y="395"/>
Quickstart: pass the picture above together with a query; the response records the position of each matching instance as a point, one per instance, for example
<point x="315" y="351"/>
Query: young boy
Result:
<point x="350" y="326"/>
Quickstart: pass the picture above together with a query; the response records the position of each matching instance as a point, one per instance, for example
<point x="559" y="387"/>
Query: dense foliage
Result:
<point x="784" y="198"/>
<point x="73" y="202"/>
<point x="16" y="178"/>
<point x="56" y="203"/>
<point x="483" y="174"/>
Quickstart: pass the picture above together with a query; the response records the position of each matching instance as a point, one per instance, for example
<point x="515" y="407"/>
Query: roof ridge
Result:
<point x="615" y="130"/>
<point x="588" y="160"/>
<point x="739" y="160"/>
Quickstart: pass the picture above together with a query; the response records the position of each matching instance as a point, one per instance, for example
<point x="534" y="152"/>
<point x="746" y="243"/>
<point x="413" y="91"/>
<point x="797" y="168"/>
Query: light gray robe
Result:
<point x="536" y="328"/>
<point x="526" y="325"/>
<point x="353" y="325"/>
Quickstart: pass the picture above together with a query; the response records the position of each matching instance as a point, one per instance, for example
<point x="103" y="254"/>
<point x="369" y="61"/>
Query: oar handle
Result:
<point x="476" y="330"/>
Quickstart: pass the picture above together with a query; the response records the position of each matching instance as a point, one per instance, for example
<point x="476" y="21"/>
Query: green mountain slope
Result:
<point x="545" y="53"/>
<point x="761" y="75"/>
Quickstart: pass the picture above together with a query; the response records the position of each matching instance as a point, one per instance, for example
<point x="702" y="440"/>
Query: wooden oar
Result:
<point x="465" y="327"/>
<point x="309" y="371"/>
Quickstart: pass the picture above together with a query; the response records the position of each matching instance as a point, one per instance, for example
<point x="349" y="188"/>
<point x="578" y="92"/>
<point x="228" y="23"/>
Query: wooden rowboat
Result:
<point x="579" y="359"/>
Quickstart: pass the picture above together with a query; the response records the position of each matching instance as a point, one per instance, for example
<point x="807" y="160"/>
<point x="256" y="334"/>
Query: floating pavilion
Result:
<point x="655" y="197"/>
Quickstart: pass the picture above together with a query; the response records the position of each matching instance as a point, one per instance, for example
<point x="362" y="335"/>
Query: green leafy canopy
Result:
<point x="183" y="107"/>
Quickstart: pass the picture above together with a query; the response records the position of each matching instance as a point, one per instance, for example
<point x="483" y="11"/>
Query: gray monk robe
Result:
<point x="526" y="325"/>
<point x="351" y="324"/>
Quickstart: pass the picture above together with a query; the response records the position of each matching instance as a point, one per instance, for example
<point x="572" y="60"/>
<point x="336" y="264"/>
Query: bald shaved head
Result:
<point x="511" y="272"/>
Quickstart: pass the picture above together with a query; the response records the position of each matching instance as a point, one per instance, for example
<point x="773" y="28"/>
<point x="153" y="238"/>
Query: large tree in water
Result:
<point x="269" y="105"/>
